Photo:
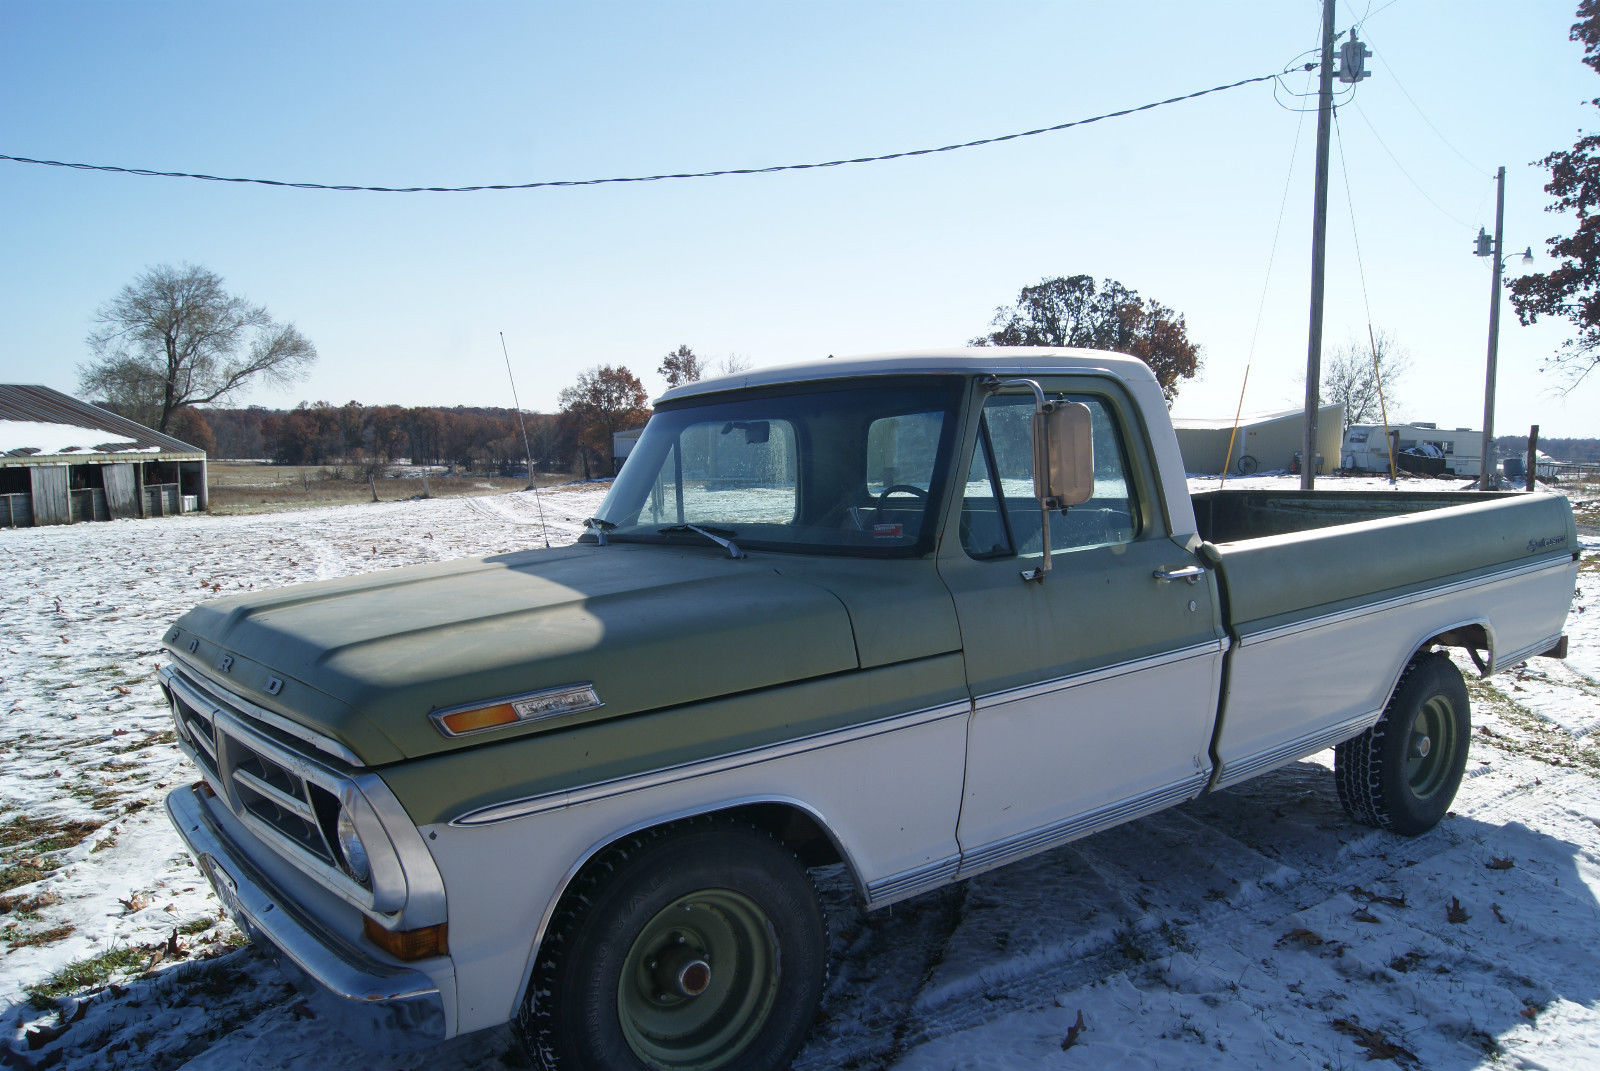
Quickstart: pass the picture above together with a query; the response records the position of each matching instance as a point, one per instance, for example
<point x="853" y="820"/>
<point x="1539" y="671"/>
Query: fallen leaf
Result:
<point x="40" y="1036"/>
<point x="1377" y="898"/>
<point x="1361" y="914"/>
<point x="1072" y="1032"/>
<point x="1498" y="863"/>
<point x="1498" y="916"/>
<point x="1301" y="936"/>
<point x="1455" y="912"/>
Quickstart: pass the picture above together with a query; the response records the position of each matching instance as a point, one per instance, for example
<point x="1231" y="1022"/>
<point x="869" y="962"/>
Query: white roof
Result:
<point x="37" y="436"/>
<point x="971" y="360"/>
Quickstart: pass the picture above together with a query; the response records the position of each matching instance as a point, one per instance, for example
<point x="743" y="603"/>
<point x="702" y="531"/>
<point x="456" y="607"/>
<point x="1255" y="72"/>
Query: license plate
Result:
<point x="226" y="888"/>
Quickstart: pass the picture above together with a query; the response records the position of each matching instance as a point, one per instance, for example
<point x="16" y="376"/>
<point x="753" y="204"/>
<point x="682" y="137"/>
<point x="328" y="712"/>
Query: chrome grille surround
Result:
<point x="291" y="801"/>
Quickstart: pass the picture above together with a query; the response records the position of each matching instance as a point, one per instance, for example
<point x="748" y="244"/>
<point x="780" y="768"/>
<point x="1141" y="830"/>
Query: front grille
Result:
<point x="261" y="779"/>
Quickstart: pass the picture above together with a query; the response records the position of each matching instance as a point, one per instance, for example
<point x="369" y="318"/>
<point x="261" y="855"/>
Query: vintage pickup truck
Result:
<point x="915" y="615"/>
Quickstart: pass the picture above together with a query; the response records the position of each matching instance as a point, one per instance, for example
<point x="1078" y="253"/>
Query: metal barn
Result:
<point x="64" y="461"/>
<point x="1265" y="442"/>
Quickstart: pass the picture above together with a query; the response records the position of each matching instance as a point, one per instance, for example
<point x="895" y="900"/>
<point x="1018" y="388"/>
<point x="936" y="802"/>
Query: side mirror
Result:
<point x="1063" y="454"/>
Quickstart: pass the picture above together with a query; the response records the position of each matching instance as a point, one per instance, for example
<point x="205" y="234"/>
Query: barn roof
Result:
<point x="38" y="424"/>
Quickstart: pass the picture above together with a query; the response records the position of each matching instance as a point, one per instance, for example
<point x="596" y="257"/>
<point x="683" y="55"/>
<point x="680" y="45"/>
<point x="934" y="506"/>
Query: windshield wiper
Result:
<point x="722" y="537"/>
<point x="600" y="528"/>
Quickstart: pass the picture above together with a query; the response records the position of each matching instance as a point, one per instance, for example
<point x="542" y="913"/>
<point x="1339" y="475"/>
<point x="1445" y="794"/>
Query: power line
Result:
<point x="1425" y="195"/>
<point x="1389" y="67"/>
<point x="148" y="173"/>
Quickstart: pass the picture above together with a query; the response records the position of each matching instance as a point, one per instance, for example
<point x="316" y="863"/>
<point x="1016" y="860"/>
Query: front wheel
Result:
<point x="701" y="945"/>
<point x="1402" y="774"/>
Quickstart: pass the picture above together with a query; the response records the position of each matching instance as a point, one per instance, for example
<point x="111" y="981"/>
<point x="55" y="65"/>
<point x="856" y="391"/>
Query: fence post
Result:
<point x="1533" y="454"/>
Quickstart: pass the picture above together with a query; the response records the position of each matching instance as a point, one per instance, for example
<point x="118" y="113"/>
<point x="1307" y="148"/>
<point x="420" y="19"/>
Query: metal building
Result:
<point x="1265" y="442"/>
<point x="63" y="461"/>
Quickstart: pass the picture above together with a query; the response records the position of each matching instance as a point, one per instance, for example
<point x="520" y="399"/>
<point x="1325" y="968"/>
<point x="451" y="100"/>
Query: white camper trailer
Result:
<point x="1364" y="449"/>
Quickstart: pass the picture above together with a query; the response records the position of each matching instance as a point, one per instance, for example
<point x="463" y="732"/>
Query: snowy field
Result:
<point x="1256" y="928"/>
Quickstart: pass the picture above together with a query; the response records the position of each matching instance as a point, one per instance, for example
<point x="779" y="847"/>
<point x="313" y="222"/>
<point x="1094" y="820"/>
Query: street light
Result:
<point x="1490" y="247"/>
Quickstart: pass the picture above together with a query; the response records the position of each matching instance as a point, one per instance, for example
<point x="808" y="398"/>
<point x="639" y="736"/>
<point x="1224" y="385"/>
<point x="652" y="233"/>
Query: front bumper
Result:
<point x="385" y="1005"/>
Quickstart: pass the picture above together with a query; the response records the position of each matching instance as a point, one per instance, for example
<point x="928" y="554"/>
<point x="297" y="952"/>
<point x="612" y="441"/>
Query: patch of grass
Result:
<point x="25" y="872"/>
<point x="1530" y="735"/>
<point x="44" y="834"/>
<point x="85" y="974"/>
<point x="42" y="937"/>
<point x="213" y="981"/>
<point x="236" y="489"/>
<point x="194" y="926"/>
<point x="25" y="906"/>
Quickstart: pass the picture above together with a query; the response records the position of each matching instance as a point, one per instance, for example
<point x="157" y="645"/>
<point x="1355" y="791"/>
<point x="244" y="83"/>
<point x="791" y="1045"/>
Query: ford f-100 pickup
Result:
<point x="917" y="616"/>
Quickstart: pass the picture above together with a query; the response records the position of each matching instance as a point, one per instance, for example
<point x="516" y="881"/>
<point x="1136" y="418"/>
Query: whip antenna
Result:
<point x="527" y="452"/>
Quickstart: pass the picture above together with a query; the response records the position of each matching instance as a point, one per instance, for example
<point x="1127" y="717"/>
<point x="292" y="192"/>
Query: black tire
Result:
<point x="1248" y="464"/>
<point x="701" y="944"/>
<point x="1402" y="774"/>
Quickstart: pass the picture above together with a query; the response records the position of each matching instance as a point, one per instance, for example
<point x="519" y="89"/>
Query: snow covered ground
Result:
<point x="1256" y="928"/>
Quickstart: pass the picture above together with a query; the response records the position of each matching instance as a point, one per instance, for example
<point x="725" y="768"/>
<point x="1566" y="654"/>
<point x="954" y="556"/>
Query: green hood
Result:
<point x="365" y="659"/>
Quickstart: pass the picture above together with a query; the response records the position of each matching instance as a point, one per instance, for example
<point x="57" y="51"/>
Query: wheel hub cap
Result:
<point x="681" y="971"/>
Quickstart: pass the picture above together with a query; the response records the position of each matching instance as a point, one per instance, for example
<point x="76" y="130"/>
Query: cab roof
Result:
<point x="972" y="360"/>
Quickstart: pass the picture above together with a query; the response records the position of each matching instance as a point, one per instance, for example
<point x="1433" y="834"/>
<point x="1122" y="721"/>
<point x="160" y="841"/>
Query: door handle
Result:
<point x="1191" y="573"/>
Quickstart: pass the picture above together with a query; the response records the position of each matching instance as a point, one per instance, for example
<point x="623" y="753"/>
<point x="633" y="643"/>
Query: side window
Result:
<point x="1000" y="516"/>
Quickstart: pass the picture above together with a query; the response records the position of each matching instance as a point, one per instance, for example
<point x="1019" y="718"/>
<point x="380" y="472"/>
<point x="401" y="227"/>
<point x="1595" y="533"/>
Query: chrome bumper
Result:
<point x="385" y="1005"/>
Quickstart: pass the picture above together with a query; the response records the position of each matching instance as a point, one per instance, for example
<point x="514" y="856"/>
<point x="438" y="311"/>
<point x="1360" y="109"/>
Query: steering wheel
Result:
<point x="896" y="488"/>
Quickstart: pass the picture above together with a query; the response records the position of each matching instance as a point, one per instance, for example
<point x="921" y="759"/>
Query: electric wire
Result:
<point x="1373" y="14"/>
<point x="1361" y="271"/>
<point x="348" y="188"/>
<point x="1266" y="285"/>
<point x="1425" y="195"/>
<point x="1389" y="69"/>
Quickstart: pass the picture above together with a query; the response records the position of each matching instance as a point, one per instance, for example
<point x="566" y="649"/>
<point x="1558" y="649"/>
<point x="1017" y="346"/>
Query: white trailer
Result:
<point x="1364" y="449"/>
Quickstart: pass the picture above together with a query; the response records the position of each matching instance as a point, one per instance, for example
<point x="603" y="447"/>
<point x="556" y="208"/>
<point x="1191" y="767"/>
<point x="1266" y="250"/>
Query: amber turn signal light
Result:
<point x="470" y="721"/>
<point x="408" y="945"/>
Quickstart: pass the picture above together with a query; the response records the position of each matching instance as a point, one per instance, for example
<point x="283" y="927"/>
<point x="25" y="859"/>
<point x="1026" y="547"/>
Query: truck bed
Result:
<point x="1327" y="593"/>
<point x="1229" y="516"/>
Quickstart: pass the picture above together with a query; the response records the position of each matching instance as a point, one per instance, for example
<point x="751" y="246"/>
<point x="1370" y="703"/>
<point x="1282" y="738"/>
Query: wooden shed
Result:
<point x="63" y="461"/>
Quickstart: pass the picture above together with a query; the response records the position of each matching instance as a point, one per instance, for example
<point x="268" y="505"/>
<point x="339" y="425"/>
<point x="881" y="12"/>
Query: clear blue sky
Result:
<point x="404" y="295"/>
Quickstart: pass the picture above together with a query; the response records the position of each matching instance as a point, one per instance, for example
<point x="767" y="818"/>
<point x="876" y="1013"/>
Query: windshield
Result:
<point x="834" y="470"/>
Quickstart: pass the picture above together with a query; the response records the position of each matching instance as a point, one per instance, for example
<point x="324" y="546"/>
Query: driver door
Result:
<point x="1095" y="689"/>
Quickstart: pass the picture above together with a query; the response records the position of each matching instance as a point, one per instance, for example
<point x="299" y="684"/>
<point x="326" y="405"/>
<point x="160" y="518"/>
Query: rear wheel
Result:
<point x="701" y="945"/>
<point x="1402" y="774"/>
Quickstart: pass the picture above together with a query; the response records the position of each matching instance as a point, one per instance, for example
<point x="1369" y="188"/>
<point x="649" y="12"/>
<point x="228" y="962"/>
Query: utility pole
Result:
<point x="1319" y="254"/>
<point x="1486" y="480"/>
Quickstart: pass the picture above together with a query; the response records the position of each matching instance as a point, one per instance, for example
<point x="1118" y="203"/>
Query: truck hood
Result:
<point x="366" y="659"/>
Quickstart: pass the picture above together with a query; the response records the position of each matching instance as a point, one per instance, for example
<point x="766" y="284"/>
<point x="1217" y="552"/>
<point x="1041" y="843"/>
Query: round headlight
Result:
<point x="354" y="853"/>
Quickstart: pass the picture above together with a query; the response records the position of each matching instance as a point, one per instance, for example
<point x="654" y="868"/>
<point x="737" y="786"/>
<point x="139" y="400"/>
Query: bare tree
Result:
<point x="681" y="366"/>
<point x="1354" y="372"/>
<point x="174" y="337"/>
<point x="732" y="365"/>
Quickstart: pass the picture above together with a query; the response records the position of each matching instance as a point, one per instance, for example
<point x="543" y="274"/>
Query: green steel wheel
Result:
<point x="1430" y="747"/>
<point x="699" y="981"/>
<point x="1402" y="774"/>
<point x="699" y="946"/>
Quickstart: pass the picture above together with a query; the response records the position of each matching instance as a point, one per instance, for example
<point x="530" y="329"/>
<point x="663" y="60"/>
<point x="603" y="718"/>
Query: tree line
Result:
<point x="473" y="439"/>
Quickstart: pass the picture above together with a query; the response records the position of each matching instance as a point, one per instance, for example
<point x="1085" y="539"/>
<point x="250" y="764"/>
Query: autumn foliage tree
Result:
<point x="1074" y="311"/>
<point x="605" y="400"/>
<point x="1572" y="289"/>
